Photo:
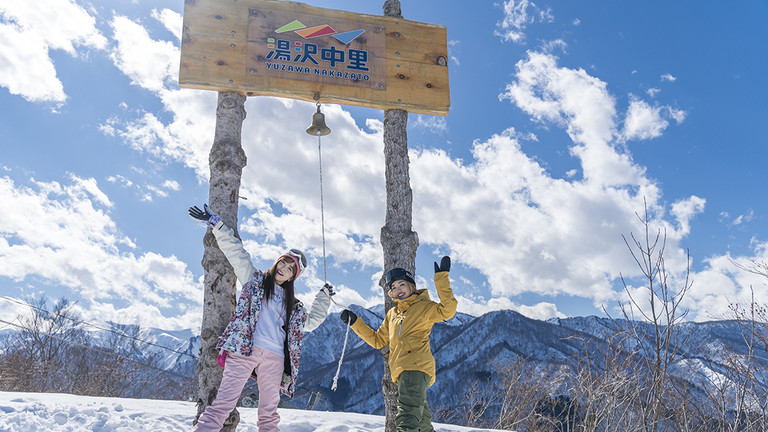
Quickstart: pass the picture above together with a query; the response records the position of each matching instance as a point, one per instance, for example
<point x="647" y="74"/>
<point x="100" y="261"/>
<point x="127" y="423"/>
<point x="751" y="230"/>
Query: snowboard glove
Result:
<point x="348" y="316"/>
<point x="328" y="288"/>
<point x="445" y="265"/>
<point x="204" y="216"/>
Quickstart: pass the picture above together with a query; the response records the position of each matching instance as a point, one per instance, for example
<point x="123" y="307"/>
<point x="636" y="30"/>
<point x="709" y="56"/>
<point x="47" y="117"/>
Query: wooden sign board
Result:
<point x="289" y="49"/>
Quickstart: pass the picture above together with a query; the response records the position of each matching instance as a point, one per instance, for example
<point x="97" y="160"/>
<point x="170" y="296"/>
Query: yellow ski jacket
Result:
<point x="407" y="326"/>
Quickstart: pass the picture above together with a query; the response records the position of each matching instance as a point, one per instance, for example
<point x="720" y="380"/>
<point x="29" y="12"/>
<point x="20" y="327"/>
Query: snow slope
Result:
<point x="42" y="412"/>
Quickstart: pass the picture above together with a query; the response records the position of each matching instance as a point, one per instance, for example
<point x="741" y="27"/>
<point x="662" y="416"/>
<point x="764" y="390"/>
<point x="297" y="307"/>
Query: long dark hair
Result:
<point x="269" y="288"/>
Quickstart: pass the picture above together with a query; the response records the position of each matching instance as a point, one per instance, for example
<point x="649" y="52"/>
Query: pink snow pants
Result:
<point x="237" y="369"/>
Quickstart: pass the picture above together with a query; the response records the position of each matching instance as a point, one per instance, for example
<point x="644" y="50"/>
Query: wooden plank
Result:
<point x="215" y="57"/>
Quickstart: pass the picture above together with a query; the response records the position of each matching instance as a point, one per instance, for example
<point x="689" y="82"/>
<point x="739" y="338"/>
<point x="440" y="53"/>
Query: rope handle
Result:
<point x="325" y="275"/>
<point x="343" y="349"/>
<point x="341" y="360"/>
<point x="322" y="209"/>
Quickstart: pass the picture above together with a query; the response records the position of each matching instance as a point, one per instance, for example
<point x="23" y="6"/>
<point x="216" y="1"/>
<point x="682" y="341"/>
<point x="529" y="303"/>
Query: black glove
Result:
<point x="348" y="316"/>
<point x="204" y="215"/>
<point x="328" y="288"/>
<point x="445" y="265"/>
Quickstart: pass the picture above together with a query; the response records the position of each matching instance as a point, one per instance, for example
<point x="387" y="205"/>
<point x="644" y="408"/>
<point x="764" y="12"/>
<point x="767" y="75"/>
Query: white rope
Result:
<point x="322" y="210"/>
<point x="343" y="348"/>
<point x="325" y="274"/>
<point x="341" y="360"/>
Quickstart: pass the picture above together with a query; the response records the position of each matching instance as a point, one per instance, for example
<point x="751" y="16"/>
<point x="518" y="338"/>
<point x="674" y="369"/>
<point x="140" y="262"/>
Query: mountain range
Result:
<point x="469" y="352"/>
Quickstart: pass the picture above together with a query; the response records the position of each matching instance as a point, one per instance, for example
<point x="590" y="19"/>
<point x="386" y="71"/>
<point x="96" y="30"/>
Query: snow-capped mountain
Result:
<point x="468" y="351"/>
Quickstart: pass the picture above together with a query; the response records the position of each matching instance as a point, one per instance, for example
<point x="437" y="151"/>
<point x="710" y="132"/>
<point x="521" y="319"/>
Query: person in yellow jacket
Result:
<point x="406" y="329"/>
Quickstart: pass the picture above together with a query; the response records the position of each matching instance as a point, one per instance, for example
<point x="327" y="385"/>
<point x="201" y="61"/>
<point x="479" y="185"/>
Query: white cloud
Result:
<point x="172" y="20"/>
<point x="187" y="138"/>
<point x="554" y="236"/>
<point x="353" y="167"/>
<point x="28" y="31"/>
<point x="517" y="15"/>
<point x="554" y="45"/>
<point x="539" y="311"/>
<point x="652" y="92"/>
<point x="120" y="179"/>
<point x="643" y="121"/>
<point x="61" y="234"/>
<point x="722" y="284"/>
<point x="452" y="46"/>
<point x="582" y="105"/>
<point x="149" y="63"/>
<point x="433" y="124"/>
<point x="146" y="192"/>
<point x="26" y="70"/>
<point x="567" y="97"/>
<point x="676" y="114"/>
<point x="744" y="218"/>
<point x="171" y="185"/>
<point x="685" y="210"/>
<point x="668" y="77"/>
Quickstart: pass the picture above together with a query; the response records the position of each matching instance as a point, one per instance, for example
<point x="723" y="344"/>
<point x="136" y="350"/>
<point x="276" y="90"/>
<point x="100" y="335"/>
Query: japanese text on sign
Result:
<point x="292" y="46"/>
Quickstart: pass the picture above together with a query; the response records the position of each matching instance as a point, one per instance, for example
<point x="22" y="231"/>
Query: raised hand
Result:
<point x="204" y="215"/>
<point x="445" y="265"/>
<point x="348" y="316"/>
<point x="328" y="288"/>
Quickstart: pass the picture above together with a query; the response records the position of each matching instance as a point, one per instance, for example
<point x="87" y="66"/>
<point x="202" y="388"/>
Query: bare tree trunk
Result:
<point x="226" y="160"/>
<point x="398" y="240"/>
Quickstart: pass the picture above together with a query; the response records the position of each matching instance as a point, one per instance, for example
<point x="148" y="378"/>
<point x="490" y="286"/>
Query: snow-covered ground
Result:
<point x="42" y="412"/>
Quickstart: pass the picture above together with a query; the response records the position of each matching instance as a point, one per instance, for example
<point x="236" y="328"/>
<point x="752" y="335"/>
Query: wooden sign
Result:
<point x="289" y="49"/>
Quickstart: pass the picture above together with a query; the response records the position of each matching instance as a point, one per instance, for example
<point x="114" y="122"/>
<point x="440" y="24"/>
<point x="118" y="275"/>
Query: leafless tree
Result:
<point x="227" y="160"/>
<point x="511" y="399"/>
<point x="605" y="386"/>
<point x="738" y="394"/>
<point x="520" y="389"/>
<point x="398" y="240"/>
<point x="41" y="344"/>
<point x="52" y="352"/>
<point x="656" y="331"/>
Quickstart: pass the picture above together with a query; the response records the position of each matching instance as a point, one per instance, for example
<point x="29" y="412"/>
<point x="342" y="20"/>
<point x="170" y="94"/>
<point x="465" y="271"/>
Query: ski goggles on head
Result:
<point x="397" y="274"/>
<point x="298" y="257"/>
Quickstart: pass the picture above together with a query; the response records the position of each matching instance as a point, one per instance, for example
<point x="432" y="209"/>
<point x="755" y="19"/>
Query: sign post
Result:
<point x="289" y="49"/>
<point x="280" y="48"/>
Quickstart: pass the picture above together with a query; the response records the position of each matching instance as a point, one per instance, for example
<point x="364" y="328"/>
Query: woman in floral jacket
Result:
<point x="263" y="339"/>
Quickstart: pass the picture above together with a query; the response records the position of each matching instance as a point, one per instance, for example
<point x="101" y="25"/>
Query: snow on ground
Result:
<point x="42" y="412"/>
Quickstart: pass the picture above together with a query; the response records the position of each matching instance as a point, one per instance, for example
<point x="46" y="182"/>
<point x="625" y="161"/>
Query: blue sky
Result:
<point x="565" y="118"/>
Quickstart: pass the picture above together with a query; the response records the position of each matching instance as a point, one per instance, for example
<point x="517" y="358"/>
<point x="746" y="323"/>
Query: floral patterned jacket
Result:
<point x="238" y="335"/>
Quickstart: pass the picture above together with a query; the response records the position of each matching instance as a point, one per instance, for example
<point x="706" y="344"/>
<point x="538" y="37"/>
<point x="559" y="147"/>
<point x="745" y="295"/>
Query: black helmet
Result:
<point x="396" y="274"/>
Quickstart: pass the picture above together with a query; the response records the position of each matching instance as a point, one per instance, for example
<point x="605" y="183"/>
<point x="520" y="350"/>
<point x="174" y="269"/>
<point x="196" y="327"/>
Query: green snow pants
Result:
<point x="413" y="413"/>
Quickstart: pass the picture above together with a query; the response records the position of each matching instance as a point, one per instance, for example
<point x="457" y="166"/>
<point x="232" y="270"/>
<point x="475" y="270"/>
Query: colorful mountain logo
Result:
<point x="300" y="29"/>
<point x="313" y="32"/>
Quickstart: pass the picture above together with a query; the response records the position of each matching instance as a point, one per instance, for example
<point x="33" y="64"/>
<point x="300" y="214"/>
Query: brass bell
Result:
<point x="318" y="127"/>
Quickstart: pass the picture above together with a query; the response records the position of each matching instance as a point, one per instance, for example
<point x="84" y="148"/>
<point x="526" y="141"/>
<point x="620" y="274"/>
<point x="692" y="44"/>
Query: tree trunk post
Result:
<point x="398" y="240"/>
<point x="226" y="161"/>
